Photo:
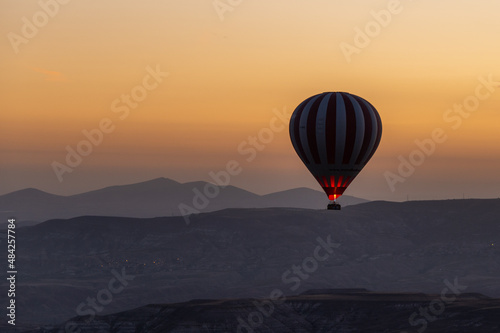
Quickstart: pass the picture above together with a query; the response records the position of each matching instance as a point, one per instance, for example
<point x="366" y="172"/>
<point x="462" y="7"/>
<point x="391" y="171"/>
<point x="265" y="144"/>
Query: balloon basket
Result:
<point x="333" y="206"/>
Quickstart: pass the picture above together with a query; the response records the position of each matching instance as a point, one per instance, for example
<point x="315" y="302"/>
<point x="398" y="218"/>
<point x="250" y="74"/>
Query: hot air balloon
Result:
<point x="335" y="134"/>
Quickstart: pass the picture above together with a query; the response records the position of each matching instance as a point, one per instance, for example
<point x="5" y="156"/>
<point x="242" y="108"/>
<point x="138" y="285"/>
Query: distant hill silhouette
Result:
<point x="239" y="253"/>
<point x="157" y="197"/>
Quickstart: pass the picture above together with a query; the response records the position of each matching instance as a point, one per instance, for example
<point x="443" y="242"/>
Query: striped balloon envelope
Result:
<point x="335" y="134"/>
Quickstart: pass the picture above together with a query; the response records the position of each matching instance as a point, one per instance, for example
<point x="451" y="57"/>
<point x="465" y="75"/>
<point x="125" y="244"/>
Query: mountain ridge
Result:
<point x="155" y="197"/>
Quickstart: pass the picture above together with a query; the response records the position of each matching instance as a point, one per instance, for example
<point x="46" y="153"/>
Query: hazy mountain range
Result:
<point x="126" y="263"/>
<point x="157" y="197"/>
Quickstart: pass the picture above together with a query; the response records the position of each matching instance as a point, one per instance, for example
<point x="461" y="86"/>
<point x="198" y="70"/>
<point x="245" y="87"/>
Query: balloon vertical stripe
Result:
<point x="350" y="131"/>
<point x="294" y="130"/>
<point x="330" y="135"/>
<point x="368" y="130"/>
<point x="311" y="130"/>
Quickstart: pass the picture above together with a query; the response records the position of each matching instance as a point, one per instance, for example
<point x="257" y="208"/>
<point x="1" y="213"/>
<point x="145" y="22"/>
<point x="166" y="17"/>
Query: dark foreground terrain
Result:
<point x="96" y="266"/>
<point x="317" y="311"/>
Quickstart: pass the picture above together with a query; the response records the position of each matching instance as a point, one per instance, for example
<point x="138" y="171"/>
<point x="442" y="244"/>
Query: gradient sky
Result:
<point x="225" y="78"/>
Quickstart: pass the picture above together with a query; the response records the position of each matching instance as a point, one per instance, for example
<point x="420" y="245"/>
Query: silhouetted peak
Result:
<point x="160" y="180"/>
<point x="153" y="183"/>
<point x="30" y="192"/>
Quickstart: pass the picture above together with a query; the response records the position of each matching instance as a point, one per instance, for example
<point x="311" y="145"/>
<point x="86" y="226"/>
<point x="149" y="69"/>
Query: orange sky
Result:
<point x="225" y="78"/>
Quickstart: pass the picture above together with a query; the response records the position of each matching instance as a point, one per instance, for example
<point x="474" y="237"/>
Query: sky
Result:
<point x="97" y="93"/>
